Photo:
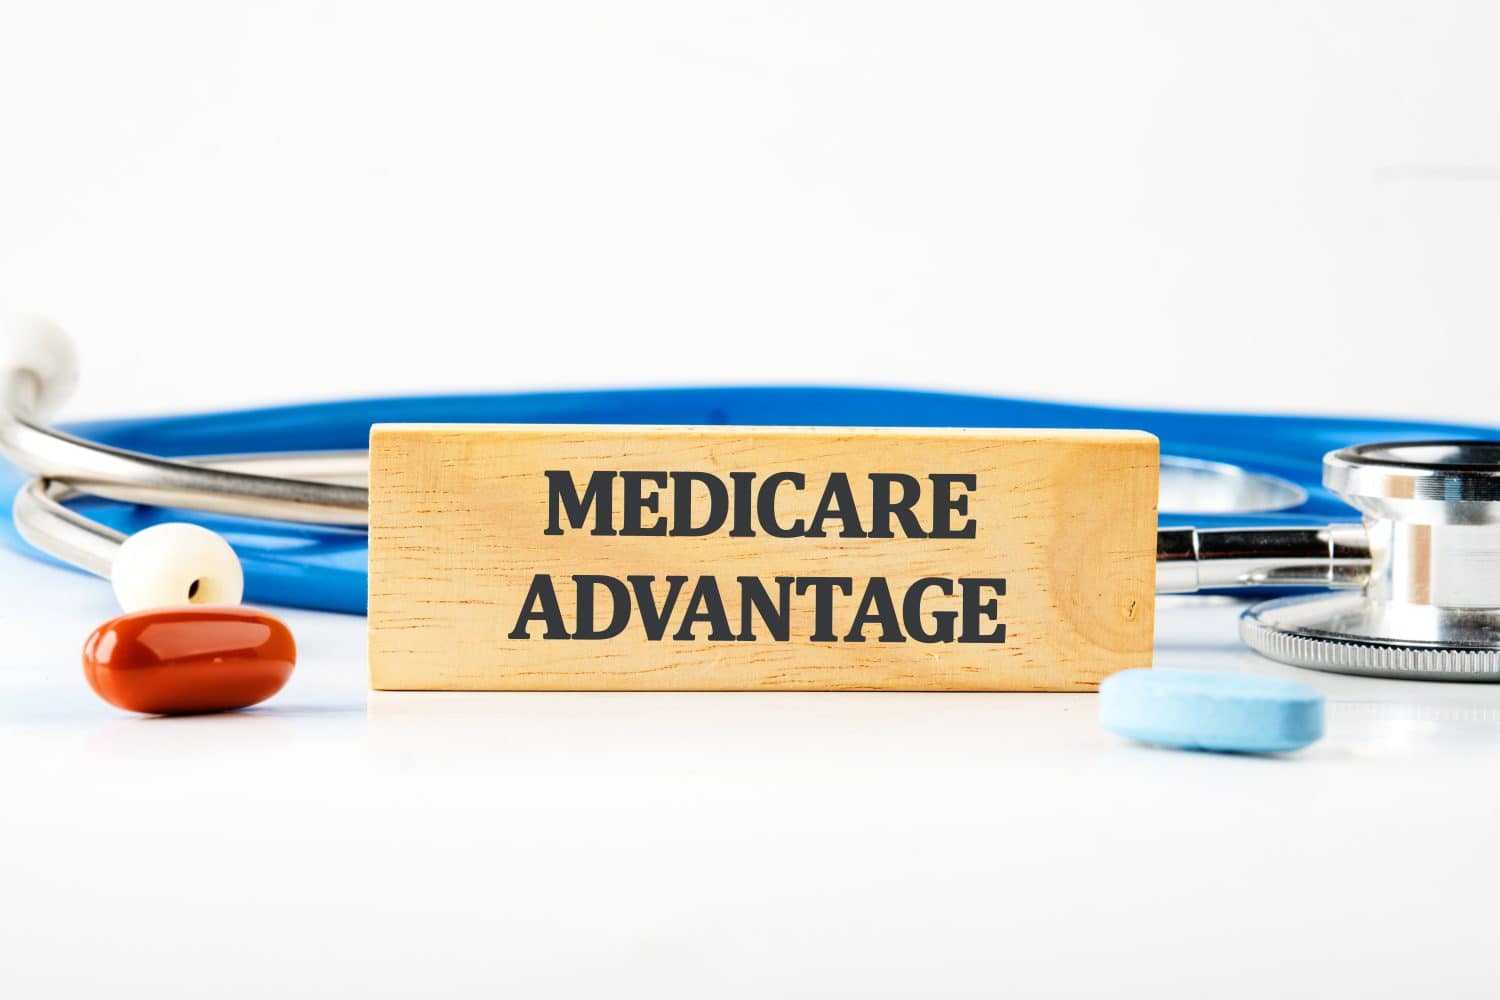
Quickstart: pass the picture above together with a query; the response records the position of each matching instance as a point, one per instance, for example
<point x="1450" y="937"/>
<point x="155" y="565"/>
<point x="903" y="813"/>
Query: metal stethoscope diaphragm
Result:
<point x="1429" y="602"/>
<point x="1412" y="592"/>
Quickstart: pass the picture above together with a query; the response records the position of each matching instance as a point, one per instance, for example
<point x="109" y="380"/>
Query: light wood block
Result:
<point x="1037" y="549"/>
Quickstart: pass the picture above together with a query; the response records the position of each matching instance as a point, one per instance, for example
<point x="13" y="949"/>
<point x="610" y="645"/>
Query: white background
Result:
<point x="1279" y="205"/>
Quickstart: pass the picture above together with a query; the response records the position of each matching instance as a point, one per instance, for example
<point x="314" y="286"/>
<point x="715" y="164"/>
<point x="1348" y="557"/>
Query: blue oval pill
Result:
<point x="1197" y="710"/>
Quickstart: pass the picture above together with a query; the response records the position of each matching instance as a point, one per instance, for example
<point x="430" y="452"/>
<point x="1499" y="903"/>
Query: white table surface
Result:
<point x="696" y="845"/>
<point x="1196" y="204"/>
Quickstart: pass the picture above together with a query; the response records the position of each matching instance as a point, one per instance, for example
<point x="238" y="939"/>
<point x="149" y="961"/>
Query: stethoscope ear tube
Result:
<point x="40" y="517"/>
<point x="131" y="477"/>
<point x="38" y="374"/>
<point x="166" y="563"/>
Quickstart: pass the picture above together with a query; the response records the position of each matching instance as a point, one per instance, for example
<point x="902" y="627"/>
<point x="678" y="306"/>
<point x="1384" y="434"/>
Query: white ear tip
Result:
<point x="169" y="565"/>
<point x="37" y="345"/>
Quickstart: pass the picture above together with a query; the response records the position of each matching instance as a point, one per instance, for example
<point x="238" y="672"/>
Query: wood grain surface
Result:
<point x="466" y="583"/>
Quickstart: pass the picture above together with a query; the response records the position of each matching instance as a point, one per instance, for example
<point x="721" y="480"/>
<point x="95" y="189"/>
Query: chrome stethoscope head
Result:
<point x="1430" y="606"/>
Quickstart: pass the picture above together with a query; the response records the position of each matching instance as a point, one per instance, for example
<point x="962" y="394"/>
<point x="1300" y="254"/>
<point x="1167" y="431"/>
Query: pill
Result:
<point x="175" y="661"/>
<point x="1198" y="710"/>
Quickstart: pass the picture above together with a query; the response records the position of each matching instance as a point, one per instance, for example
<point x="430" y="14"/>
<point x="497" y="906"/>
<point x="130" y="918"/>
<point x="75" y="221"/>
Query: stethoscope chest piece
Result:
<point x="1430" y="608"/>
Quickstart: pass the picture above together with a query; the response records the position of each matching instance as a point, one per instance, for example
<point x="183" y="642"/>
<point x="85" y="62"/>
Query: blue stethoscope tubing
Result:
<point x="321" y="568"/>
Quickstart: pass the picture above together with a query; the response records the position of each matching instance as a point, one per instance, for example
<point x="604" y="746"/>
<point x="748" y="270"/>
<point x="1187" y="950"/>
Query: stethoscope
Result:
<point x="270" y="505"/>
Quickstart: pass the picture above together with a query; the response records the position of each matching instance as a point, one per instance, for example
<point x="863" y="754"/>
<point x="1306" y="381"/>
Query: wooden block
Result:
<point x="536" y="557"/>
